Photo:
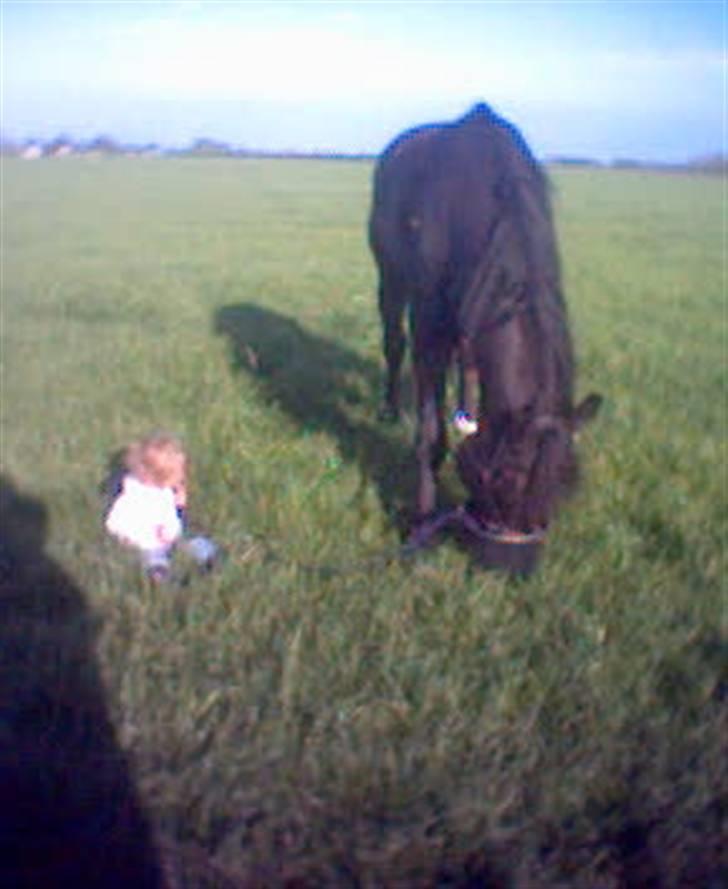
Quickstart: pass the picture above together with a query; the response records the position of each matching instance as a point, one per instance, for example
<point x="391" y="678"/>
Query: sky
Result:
<point x="599" y="79"/>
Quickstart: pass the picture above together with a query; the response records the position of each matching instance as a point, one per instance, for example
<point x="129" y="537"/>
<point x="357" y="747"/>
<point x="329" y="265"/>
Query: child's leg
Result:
<point x="157" y="564"/>
<point x="201" y="549"/>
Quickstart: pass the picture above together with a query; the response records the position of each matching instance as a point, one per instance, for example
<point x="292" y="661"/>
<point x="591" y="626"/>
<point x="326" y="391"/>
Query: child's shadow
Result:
<point x="325" y="387"/>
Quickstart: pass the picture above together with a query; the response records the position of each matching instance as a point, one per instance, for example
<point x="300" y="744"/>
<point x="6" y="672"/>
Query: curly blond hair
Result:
<point x="158" y="459"/>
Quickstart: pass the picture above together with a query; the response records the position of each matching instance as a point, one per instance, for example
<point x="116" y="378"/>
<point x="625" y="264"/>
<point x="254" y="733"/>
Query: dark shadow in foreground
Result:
<point x="69" y="814"/>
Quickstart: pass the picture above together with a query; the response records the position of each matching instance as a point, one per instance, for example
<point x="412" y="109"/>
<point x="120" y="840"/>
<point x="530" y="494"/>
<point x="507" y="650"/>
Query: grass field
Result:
<point x="318" y="709"/>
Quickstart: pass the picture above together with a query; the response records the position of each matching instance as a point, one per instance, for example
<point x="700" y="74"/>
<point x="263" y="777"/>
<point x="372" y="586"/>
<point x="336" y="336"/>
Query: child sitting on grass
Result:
<point x="149" y="511"/>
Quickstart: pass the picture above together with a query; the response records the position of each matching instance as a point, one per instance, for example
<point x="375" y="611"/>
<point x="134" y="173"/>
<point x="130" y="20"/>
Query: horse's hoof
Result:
<point x="417" y="540"/>
<point x="426" y="528"/>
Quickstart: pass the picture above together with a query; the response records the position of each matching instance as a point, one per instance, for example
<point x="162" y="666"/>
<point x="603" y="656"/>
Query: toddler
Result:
<point x="149" y="512"/>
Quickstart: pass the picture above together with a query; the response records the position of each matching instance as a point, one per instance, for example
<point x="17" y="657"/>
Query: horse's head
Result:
<point x="518" y="467"/>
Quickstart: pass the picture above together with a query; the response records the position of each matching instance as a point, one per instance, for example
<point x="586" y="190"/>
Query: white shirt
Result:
<point x="144" y="516"/>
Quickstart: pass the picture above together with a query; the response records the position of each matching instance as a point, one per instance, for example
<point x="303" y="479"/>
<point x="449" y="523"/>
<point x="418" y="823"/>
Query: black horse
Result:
<point x="462" y="232"/>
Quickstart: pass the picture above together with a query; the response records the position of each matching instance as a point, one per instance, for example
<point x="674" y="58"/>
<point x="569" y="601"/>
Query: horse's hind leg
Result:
<point x="392" y="302"/>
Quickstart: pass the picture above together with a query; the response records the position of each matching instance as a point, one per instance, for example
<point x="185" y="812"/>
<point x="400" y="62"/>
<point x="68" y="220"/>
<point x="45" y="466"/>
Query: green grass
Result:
<point x="318" y="705"/>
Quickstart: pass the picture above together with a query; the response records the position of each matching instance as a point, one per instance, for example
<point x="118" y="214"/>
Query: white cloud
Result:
<point x="264" y="64"/>
<point x="184" y="59"/>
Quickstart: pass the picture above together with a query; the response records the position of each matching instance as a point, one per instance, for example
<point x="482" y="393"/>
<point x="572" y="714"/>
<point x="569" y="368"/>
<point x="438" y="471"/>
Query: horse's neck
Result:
<point x="521" y="367"/>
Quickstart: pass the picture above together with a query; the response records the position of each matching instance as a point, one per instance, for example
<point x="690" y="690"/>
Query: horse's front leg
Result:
<point x="431" y="442"/>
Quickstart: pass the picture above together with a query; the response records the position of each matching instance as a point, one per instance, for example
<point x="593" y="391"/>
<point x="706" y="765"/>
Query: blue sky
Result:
<point x="605" y="79"/>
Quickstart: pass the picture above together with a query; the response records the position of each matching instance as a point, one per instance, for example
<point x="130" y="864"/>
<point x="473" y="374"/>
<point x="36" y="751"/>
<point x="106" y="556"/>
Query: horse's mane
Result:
<point x="520" y="269"/>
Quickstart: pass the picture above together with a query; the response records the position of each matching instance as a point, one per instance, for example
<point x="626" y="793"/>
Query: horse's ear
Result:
<point x="585" y="411"/>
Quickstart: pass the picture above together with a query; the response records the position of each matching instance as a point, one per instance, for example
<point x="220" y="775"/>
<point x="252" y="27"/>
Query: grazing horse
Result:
<point x="462" y="233"/>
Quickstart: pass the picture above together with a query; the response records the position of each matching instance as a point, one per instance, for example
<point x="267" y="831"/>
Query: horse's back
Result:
<point x="439" y="188"/>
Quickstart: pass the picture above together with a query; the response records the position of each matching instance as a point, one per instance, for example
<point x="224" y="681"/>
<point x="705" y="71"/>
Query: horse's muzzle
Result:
<point x="493" y="548"/>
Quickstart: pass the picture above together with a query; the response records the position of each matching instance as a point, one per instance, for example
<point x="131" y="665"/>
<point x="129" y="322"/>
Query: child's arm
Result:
<point x="180" y="503"/>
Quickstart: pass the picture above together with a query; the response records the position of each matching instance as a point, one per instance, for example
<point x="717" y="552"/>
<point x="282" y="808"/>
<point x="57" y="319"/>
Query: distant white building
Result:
<point x="31" y="152"/>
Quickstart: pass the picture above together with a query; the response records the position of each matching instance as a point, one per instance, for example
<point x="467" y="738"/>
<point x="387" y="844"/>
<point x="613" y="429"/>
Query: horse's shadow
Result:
<point x="325" y="387"/>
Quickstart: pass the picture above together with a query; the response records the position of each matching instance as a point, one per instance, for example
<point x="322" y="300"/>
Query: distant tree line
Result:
<point x="714" y="163"/>
<point x="64" y="146"/>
